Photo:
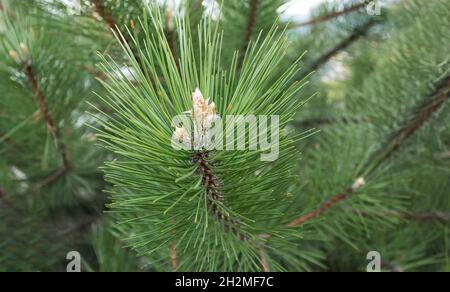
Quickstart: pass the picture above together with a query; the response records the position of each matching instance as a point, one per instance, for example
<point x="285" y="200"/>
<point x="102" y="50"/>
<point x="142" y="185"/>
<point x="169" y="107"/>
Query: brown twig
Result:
<point x="263" y="259"/>
<point x="173" y="255"/>
<point x="109" y="19"/>
<point x="215" y="197"/>
<point x="106" y="15"/>
<point x="344" y="44"/>
<point x="46" y="115"/>
<point x="430" y="105"/>
<point x="330" y="16"/>
<point x="359" y="183"/>
<point x="50" y="179"/>
<point x="251" y="22"/>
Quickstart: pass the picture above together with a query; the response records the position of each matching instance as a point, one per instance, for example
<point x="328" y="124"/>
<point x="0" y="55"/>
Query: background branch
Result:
<point x="330" y="16"/>
<point x="46" y="115"/>
<point x="251" y="22"/>
<point x="357" y="34"/>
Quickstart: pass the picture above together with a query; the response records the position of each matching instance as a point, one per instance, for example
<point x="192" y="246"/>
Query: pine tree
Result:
<point x="89" y="93"/>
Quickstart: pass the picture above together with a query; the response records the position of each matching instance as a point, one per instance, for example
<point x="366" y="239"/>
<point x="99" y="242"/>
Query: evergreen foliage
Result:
<point x="88" y="94"/>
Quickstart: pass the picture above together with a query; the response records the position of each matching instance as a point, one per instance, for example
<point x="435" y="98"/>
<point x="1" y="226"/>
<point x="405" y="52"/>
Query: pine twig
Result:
<point x="48" y="119"/>
<point x="215" y="197"/>
<point x="430" y="105"/>
<point x="109" y="19"/>
<point x="50" y="179"/>
<point x="173" y="256"/>
<point x="106" y="15"/>
<point x="173" y="249"/>
<point x="359" y="183"/>
<point x="263" y="259"/>
<point x="357" y="34"/>
<point x="251" y="22"/>
<point x="330" y="16"/>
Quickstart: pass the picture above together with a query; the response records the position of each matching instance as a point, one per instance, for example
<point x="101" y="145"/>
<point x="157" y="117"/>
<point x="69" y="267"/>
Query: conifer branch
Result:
<point x="106" y="15"/>
<point x="430" y="105"/>
<point x="173" y="250"/>
<point x="330" y="16"/>
<point x="113" y="25"/>
<point x="251" y="22"/>
<point x="359" y="183"/>
<point x="357" y="34"/>
<point x="50" y="179"/>
<point x="49" y="122"/>
<point x="215" y="197"/>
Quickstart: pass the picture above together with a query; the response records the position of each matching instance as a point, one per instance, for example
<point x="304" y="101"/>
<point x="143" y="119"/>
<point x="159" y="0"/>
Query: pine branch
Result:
<point x="215" y="197"/>
<point x="431" y="104"/>
<point x="251" y="22"/>
<point x="173" y="250"/>
<point x="359" y="183"/>
<point x="106" y="15"/>
<point x="49" y="122"/>
<point x="50" y="179"/>
<point x="173" y="256"/>
<point x="330" y="16"/>
<point x="113" y="25"/>
<point x="357" y="34"/>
